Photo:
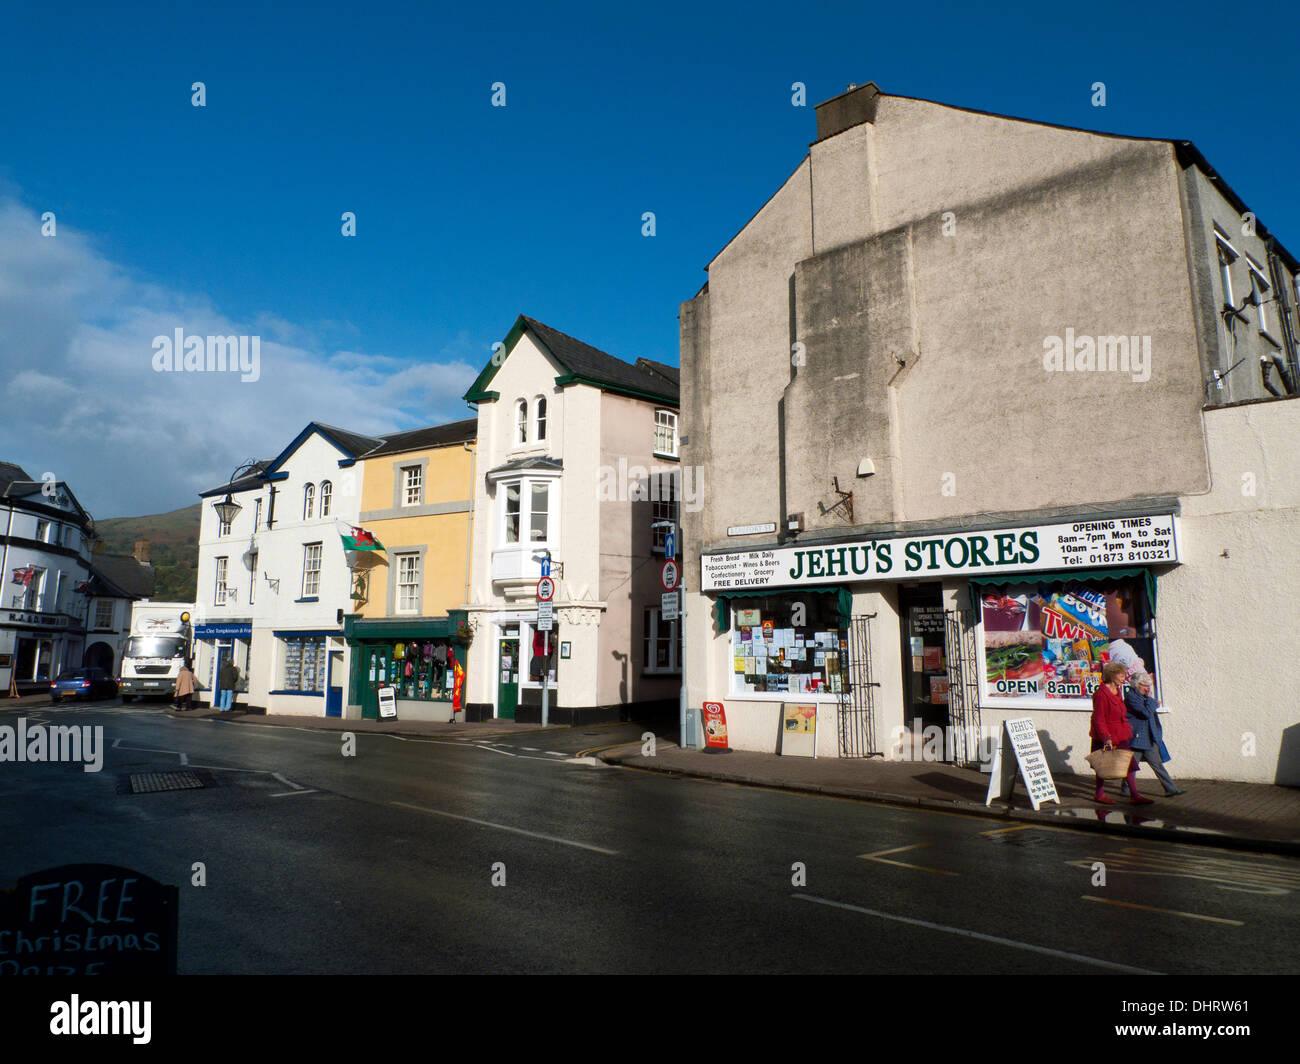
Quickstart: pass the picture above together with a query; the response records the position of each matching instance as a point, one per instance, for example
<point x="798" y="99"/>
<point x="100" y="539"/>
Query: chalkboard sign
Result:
<point x="88" y="919"/>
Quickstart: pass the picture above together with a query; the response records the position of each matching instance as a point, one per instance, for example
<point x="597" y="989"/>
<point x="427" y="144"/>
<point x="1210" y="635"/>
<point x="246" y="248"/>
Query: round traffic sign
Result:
<point x="671" y="575"/>
<point x="545" y="589"/>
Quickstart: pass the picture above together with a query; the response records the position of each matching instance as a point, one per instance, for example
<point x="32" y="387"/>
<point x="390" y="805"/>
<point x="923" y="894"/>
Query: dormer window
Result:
<point x="521" y="422"/>
<point x="308" y="501"/>
<point x="540" y="407"/>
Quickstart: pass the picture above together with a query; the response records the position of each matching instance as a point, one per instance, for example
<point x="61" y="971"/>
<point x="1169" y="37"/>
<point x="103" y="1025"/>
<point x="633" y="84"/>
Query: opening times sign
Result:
<point x="1117" y="541"/>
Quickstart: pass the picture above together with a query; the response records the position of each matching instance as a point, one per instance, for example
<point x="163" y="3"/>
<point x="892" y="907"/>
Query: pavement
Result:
<point x="1245" y="816"/>
<point x="1252" y="816"/>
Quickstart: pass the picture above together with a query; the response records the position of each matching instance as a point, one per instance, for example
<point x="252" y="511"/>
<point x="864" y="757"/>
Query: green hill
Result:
<point x="173" y="548"/>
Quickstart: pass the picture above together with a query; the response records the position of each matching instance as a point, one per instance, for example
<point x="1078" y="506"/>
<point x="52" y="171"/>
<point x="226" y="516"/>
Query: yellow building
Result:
<point x="407" y="631"/>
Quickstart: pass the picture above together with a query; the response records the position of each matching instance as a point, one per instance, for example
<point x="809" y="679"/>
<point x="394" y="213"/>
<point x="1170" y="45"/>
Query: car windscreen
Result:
<point x="155" y="646"/>
<point x="73" y="674"/>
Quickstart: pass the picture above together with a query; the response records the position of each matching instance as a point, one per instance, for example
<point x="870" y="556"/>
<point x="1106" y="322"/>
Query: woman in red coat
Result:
<point x="1110" y="728"/>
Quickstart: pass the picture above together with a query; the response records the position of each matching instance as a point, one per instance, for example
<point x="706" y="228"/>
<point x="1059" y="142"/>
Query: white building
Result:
<point x="44" y="573"/>
<point x="116" y="581"/>
<point x="577" y="452"/>
<point x="273" y="585"/>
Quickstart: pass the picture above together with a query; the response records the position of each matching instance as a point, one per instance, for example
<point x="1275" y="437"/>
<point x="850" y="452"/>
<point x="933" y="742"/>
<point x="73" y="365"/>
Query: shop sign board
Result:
<point x="1018" y="747"/>
<point x="545" y="616"/>
<point x="798" y="729"/>
<point x="1117" y="541"/>
<point x="715" y="728"/>
<point x="388" y="703"/>
<point x="668" y="606"/>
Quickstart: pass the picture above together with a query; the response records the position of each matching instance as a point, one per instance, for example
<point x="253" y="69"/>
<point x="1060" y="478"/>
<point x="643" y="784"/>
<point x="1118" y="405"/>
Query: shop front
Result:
<point x="214" y="645"/>
<point x="935" y="634"/>
<point x="423" y="659"/>
<point x="34" y="648"/>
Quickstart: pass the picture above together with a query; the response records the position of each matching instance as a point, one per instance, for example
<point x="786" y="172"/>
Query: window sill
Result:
<point x="309" y="598"/>
<point x="304" y="694"/>
<point x="670" y="457"/>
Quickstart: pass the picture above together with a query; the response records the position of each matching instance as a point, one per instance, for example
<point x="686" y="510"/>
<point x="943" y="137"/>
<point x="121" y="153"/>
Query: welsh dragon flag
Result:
<point x="360" y="539"/>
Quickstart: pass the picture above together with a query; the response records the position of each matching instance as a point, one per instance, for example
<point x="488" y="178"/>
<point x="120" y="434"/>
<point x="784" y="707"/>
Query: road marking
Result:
<point x="185" y="758"/>
<point x="507" y="827"/>
<point x="1168" y="912"/>
<point x="612" y="746"/>
<point x="879" y="855"/>
<point x="1004" y="831"/>
<point x="1248" y="875"/>
<point x="290" y="794"/>
<point x="1013" y="943"/>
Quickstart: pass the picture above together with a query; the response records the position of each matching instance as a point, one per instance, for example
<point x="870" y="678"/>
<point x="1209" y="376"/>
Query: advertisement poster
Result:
<point x="1051" y="641"/>
<point x="715" y="726"/>
<point x="798" y="730"/>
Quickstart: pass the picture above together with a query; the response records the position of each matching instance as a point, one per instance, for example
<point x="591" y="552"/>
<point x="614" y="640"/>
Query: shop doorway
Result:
<point x="925" y="666"/>
<point x="334" y="685"/>
<point x="508" y="675"/>
<point x="378" y="669"/>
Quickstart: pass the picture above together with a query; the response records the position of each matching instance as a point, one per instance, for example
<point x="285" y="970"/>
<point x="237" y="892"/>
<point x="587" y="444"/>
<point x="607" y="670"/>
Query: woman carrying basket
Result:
<point x="1111" y="730"/>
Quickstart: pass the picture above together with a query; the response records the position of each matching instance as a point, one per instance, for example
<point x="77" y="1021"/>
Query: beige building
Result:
<point x="577" y="461"/>
<point x="978" y="404"/>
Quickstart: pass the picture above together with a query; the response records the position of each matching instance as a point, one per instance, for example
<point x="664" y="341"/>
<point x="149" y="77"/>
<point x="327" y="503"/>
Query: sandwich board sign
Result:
<point x="1018" y="748"/>
<point x="387" y="703"/>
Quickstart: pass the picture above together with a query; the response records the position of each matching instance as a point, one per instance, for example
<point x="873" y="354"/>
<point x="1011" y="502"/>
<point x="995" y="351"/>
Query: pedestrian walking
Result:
<point x="186" y="683"/>
<point x="229" y="680"/>
<point x="1148" y="736"/>
<point x="1110" y="729"/>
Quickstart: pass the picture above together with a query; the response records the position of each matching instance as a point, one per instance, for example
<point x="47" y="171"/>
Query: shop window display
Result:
<point x="419" y="669"/>
<point x="1050" y="640"/>
<point x="789" y="645"/>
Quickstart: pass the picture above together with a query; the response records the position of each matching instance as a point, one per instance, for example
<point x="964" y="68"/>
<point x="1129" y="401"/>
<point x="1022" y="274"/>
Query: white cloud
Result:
<point x="80" y="396"/>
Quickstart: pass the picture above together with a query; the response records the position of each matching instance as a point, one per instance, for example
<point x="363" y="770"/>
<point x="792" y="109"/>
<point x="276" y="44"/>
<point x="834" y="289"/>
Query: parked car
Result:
<point x="83" y="683"/>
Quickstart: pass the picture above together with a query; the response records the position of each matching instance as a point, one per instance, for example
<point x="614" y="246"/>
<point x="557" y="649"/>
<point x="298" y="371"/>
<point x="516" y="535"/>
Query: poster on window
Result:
<point x="1051" y="641"/>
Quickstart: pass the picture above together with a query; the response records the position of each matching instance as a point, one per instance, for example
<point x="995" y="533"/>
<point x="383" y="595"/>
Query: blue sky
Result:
<point x="227" y="217"/>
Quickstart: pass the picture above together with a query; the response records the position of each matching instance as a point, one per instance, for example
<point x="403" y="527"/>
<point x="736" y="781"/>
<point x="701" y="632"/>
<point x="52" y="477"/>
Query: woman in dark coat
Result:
<point x="1148" y="736"/>
<point x="1110" y="728"/>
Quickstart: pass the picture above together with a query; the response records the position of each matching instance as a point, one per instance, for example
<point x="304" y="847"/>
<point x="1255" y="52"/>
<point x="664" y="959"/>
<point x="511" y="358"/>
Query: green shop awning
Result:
<point x="1076" y="576"/>
<point x="722" y="605"/>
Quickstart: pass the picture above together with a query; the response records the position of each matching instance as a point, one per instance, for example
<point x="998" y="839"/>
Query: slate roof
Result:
<point x="122" y="573"/>
<point x="429" y="436"/>
<point x="12" y="474"/>
<point x="598" y="367"/>
<point x="662" y="369"/>
<point x="354" y="442"/>
<point x="248" y="482"/>
<point x="517" y="465"/>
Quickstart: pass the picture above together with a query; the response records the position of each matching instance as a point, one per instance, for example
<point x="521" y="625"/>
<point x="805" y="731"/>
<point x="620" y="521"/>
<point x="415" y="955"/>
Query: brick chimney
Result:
<point x="141" y="551"/>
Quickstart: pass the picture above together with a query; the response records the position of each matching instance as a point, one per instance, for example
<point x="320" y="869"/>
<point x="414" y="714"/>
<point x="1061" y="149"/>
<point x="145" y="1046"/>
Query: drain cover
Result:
<point x="150" y="782"/>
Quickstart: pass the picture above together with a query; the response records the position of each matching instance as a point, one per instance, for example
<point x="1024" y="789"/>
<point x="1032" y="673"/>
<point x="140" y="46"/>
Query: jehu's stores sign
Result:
<point x="1117" y="541"/>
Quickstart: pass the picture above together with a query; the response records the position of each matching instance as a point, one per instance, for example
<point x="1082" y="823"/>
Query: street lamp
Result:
<point x="227" y="509"/>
